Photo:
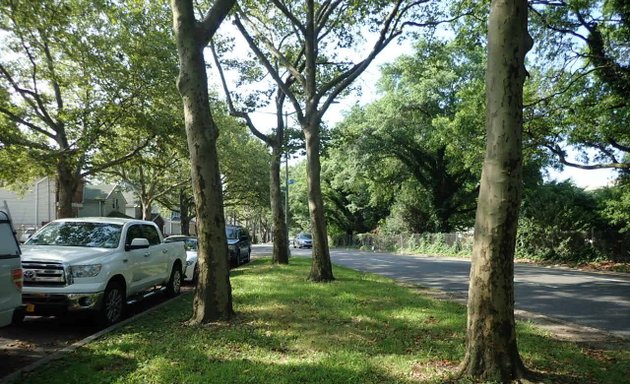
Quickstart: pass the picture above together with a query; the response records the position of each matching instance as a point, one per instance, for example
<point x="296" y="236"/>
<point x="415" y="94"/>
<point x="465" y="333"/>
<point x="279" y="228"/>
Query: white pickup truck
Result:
<point x="97" y="264"/>
<point x="10" y="271"/>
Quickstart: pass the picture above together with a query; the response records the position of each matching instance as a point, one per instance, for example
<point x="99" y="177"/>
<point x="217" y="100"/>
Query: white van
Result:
<point x="10" y="271"/>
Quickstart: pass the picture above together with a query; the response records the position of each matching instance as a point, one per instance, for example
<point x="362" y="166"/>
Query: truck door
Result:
<point x="139" y="260"/>
<point x="158" y="261"/>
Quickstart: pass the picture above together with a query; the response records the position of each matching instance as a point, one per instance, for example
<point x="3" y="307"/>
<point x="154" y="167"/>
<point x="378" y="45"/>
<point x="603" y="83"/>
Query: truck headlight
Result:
<point x="85" y="270"/>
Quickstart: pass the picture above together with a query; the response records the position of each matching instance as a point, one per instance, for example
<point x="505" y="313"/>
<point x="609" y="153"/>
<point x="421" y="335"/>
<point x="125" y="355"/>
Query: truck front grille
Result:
<point x="43" y="274"/>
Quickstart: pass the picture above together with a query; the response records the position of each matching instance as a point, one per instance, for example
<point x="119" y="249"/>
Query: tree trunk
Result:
<point x="321" y="267"/>
<point x="491" y="350"/>
<point x="146" y="208"/>
<point x="213" y="295"/>
<point x="184" y="213"/>
<point x="280" y="238"/>
<point x="67" y="183"/>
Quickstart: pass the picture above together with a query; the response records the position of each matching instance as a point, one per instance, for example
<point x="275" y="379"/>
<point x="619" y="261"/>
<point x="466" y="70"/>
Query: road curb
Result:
<point x="73" y="347"/>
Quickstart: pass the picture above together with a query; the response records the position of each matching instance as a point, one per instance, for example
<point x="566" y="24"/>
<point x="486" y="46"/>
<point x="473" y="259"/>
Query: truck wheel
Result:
<point x="113" y="304"/>
<point x="175" y="282"/>
<point x="18" y="316"/>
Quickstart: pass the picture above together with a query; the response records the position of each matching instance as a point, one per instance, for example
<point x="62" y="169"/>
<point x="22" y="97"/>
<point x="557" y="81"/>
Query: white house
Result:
<point x="33" y="208"/>
<point x="38" y="204"/>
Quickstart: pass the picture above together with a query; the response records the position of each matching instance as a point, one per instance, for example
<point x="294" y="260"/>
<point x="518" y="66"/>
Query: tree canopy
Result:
<point x="423" y="137"/>
<point x="74" y="83"/>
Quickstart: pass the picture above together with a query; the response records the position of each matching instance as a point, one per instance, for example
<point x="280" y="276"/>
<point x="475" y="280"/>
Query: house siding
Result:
<point x="34" y="208"/>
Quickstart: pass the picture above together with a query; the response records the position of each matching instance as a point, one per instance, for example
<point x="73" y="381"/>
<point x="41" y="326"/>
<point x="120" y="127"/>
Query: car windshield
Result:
<point x="231" y="233"/>
<point x="78" y="234"/>
<point x="190" y="244"/>
<point x="305" y="236"/>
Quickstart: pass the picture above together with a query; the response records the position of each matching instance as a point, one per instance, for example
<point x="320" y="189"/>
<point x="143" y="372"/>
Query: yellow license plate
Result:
<point x="30" y="308"/>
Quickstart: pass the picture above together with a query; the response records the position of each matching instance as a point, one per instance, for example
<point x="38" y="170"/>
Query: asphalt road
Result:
<point x="596" y="300"/>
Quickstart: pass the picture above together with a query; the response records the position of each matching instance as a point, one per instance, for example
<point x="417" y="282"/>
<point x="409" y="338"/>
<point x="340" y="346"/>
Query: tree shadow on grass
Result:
<point x="358" y="329"/>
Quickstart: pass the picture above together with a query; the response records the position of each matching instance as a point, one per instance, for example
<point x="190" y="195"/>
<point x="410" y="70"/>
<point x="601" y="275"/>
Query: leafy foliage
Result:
<point x="616" y="204"/>
<point x="583" y="82"/>
<point x="423" y="137"/>
<point x="562" y="222"/>
<point x="244" y="163"/>
<point x="75" y="80"/>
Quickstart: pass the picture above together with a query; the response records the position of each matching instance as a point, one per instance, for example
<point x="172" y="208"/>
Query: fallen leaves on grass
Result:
<point x="426" y="370"/>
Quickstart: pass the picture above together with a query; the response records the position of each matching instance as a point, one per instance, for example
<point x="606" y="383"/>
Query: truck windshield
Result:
<point x="78" y="234"/>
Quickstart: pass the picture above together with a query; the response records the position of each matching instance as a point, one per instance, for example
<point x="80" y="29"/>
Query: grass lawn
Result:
<point x="360" y="328"/>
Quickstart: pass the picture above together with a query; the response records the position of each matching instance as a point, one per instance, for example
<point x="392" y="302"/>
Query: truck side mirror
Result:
<point x="137" y="243"/>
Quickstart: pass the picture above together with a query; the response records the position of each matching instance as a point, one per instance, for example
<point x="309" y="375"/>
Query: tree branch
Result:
<point x="555" y="149"/>
<point x="272" y="71"/>
<point x="241" y="114"/>
<point x="210" y="24"/>
<point x="95" y="169"/>
<point x="272" y="49"/>
<point x="15" y="118"/>
<point x="286" y="12"/>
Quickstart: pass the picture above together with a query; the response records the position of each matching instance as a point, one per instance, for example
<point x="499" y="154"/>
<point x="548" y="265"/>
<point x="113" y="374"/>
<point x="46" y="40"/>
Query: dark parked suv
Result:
<point x="239" y="244"/>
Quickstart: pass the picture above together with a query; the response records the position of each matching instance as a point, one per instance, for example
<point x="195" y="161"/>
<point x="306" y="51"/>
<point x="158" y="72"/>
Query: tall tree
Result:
<point x="213" y="296"/>
<point x="276" y="141"/>
<point x="314" y="52"/>
<point x="491" y="349"/>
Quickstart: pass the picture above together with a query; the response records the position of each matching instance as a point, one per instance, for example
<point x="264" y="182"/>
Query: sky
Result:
<point x="587" y="179"/>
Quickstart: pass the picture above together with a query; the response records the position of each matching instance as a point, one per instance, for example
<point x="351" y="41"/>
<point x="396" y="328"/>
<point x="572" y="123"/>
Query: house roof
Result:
<point x="119" y="215"/>
<point x="132" y="200"/>
<point x="99" y="191"/>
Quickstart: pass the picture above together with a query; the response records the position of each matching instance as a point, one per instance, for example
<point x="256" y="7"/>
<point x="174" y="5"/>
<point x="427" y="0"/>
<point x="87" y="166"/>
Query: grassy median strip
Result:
<point x="360" y="328"/>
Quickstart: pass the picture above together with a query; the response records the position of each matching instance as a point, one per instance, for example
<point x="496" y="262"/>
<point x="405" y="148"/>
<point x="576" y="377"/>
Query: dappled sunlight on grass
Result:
<point x="360" y="328"/>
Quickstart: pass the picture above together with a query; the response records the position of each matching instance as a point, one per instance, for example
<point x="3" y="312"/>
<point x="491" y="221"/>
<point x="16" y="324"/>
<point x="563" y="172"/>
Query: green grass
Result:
<point x="358" y="329"/>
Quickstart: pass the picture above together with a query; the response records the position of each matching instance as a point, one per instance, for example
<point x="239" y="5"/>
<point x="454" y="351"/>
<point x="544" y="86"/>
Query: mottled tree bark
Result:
<point x="321" y="266"/>
<point x="67" y="184"/>
<point x="491" y="350"/>
<point x="146" y="208"/>
<point x="213" y="295"/>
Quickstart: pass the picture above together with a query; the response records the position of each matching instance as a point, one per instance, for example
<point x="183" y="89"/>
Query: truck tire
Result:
<point x="174" y="284"/>
<point x="113" y="304"/>
<point x="18" y="316"/>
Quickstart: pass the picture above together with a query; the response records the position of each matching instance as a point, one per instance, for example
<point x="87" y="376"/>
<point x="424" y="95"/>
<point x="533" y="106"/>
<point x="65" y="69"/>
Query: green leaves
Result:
<point x="423" y="139"/>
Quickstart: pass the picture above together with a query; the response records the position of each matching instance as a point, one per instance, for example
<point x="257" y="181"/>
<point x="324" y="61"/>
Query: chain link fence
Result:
<point x="457" y="243"/>
<point x="545" y="245"/>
